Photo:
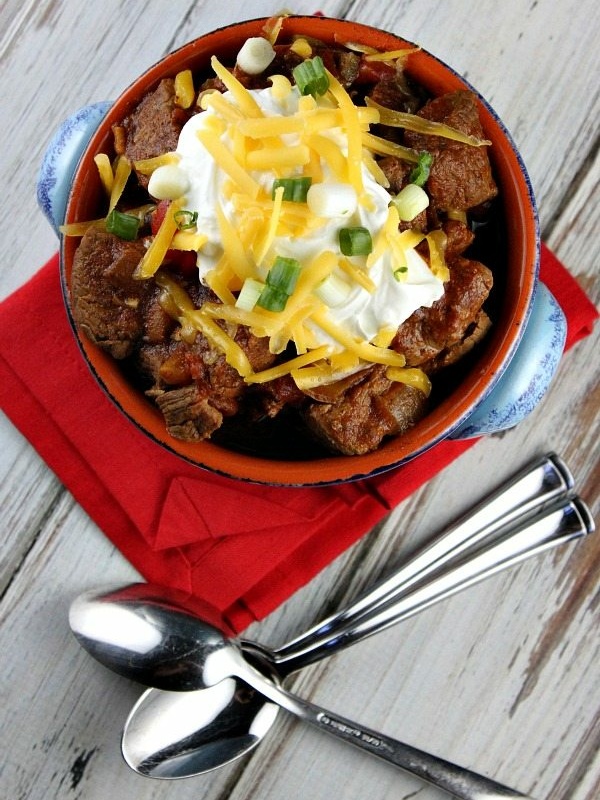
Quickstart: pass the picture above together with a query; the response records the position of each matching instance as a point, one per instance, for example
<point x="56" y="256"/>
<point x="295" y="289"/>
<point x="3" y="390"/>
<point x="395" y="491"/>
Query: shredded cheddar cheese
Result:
<point x="272" y="27"/>
<point x="223" y="156"/>
<point x="384" y="147"/>
<point x="391" y="55"/>
<point x="365" y="350"/>
<point x="353" y="132"/>
<point x="410" y="376"/>
<point x="269" y="235"/>
<point x="357" y="274"/>
<point x="146" y="166"/>
<point x="278" y="158"/>
<point x="156" y="252"/>
<point x="236" y="255"/>
<point x="79" y="228"/>
<point x="270" y="126"/>
<point x="122" y="173"/>
<point x="284" y="369"/>
<point x="321" y="374"/>
<point x="413" y="122"/>
<point x="437" y="246"/>
<point x="186" y="240"/>
<point x="184" y="88"/>
<point x="242" y="96"/>
<point x="105" y="172"/>
<point x="280" y="86"/>
<point x="234" y="355"/>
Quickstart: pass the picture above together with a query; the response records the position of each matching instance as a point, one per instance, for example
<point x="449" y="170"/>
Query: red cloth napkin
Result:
<point x="177" y="524"/>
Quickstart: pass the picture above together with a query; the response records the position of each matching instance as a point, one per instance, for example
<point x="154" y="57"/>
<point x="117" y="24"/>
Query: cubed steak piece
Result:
<point x="362" y="417"/>
<point x="429" y="331"/>
<point x="189" y="414"/>
<point x="107" y="300"/>
<point x="192" y="383"/>
<point x="153" y="127"/>
<point x="461" y="174"/>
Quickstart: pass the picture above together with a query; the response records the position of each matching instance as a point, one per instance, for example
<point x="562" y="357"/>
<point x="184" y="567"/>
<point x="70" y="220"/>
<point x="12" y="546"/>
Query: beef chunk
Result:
<point x="396" y="170"/>
<point x="397" y="92"/>
<point x="429" y="331"/>
<point x="256" y="349"/>
<point x="458" y="238"/>
<point x="473" y="335"/>
<point x="273" y="396"/>
<point x="196" y="374"/>
<point x="188" y="413"/>
<point x="107" y="300"/>
<point x="347" y="67"/>
<point x="165" y="365"/>
<point x="192" y="385"/>
<point x="461" y="175"/>
<point x="364" y="415"/>
<point x="154" y="125"/>
<point x="158" y="325"/>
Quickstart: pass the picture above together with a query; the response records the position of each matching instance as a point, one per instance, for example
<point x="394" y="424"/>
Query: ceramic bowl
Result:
<point x="503" y="384"/>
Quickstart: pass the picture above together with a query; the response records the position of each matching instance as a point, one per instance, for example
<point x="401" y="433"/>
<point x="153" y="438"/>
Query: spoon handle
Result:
<point x="564" y="521"/>
<point x="455" y="780"/>
<point x="526" y="492"/>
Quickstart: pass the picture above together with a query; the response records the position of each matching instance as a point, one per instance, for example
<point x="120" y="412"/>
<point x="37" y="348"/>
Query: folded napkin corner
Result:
<point x="199" y="509"/>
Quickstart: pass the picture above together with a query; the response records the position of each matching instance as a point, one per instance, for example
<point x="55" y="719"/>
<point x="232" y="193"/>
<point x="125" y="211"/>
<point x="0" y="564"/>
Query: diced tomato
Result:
<point x="158" y="215"/>
<point x="183" y="262"/>
<point x="373" y="71"/>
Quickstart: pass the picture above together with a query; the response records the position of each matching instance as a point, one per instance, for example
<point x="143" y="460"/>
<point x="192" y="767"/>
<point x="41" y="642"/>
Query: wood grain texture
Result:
<point x="502" y="678"/>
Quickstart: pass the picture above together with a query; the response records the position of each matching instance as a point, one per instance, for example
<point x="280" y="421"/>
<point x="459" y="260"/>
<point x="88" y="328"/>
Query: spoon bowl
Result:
<point x="150" y="634"/>
<point x="198" y="731"/>
<point x="149" y="723"/>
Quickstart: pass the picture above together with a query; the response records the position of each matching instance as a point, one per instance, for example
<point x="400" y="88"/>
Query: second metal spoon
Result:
<point x="179" y="734"/>
<point x="223" y="660"/>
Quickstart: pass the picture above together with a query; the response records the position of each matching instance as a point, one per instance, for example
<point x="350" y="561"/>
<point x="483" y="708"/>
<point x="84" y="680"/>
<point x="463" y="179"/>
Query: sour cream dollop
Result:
<point x="363" y="313"/>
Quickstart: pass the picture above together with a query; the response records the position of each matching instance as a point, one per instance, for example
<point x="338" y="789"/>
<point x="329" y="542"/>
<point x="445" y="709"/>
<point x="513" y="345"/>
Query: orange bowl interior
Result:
<point x="517" y="291"/>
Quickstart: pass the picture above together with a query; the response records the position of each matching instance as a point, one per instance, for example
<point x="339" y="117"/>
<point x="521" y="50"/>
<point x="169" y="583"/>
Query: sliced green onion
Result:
<point x="333" y="290"/>
<point x="410" y="201"/>
<point x="311" y="77"/>
<point x="355" y="241"/>
<point x="400" y="273"/>
<point x="185" y="219"/>
<point x="272" y="299"/>
<point x="125" y="226"/>
<point x="420" y="173"/>
<point x="284" y="274"/>
<point x="249" y="294"/>
<point x="281" y="282"/>
<point x="294" y="189"/>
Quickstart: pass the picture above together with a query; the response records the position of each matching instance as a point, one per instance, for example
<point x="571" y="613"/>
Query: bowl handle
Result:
<point x="61" y="158"/>
<point x="527" y="377"/>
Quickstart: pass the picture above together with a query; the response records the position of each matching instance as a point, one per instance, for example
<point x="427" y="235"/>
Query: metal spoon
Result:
<point x="221" y="734"/>
<point x="102" y="620"/>
<point x="222" y="660"/>
<point x="180" y="734"/>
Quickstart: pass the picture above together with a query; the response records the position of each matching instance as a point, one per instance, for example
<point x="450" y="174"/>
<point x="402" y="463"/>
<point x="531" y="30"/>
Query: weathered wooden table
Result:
<point x="503" y="678"/>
